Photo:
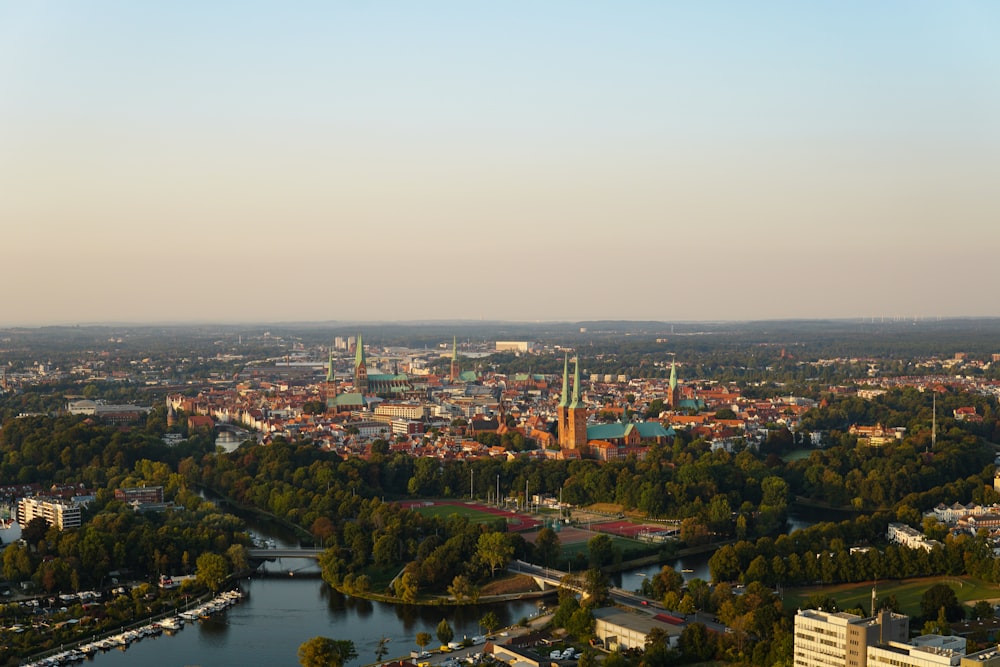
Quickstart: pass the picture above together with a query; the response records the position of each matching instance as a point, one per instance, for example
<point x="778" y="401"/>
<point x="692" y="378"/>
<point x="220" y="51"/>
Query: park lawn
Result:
<point x="625" y="545"/>
<point x="445" y="511"/>
<point x="907" y="591"/>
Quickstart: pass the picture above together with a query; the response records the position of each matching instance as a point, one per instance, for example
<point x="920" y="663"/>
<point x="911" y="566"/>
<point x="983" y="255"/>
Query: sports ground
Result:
<point x="625" y="534"/>
<point x="474" y="512"/>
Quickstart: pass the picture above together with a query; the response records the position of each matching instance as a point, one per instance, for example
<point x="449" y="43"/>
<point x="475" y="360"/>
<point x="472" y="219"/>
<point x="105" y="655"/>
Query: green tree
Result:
<point x="595" y="586"/>
<point x="547" y="547"/>
<point x="238" y="557"/>
<point x="939" y="626"/>
<point x="581" y="623"/>
<point x="16" y="563"/>
<point x="332" y="566"/>
<point x="601" y="550"/>
<point x="490" y="622"/>
<point x="938" y="597"/>
<point x="34" y="531"/>
<point x="444" y="632"/>
<point x="326" y="652"/>
<point x="211" y="570"/>
<point x="696" y="643"/>
<point x="423" y="639"/>
<point x="983" y="609"/>
<point x="406" y="588"/>
<point x="495" y="550"/>
<point x="588" y="659"/>
<point x="462" y="589"/>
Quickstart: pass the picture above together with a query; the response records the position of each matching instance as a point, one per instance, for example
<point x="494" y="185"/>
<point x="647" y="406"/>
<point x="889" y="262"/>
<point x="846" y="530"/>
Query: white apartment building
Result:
<point x="59" y="513"/>
<point x="514" y="346"/>
<point x="900" y="533"/>
<point x="404" y="410"/>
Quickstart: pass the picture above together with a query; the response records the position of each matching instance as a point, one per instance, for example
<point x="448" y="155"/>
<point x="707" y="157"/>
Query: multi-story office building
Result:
<point x="824" y="639"/>
<point x="59" y="513"/>
<point x="925" y="651"/>
<point x="143" y="495"/>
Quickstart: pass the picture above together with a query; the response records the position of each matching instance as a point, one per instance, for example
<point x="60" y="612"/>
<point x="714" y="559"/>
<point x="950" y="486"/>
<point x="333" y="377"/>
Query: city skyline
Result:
<point x="445" y="161"/>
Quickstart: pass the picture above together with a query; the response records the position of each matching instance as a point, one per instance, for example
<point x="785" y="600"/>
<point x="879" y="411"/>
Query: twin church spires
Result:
<point x="571" y="412"/>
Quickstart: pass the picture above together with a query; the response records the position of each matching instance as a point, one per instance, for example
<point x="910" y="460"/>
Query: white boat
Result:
<point x="172" y="623"/>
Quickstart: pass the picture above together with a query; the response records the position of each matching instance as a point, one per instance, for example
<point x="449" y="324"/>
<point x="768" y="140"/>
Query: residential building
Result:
<point x="900" y="533"/>
<point x="514" y="346"/>
<point x="59" y="513"/>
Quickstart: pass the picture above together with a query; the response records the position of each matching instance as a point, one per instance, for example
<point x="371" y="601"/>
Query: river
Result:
<point x="696" y="566"/>
<point x="279" y="613"/>
<point x="228" y="441"/>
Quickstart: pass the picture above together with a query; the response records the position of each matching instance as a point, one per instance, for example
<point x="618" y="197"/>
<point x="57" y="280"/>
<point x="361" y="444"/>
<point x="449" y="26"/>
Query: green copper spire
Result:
<point x="330" y="377"/>
<point x="564" y="397"/>
<point x="454" y="348"/>
<point x="359" y="353"/>
<point x="575" y="403"/>
<point x="673" y="375"/>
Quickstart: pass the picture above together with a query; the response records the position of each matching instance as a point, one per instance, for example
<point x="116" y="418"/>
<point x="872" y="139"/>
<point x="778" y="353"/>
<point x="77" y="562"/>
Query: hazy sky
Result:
<point x="178" y="161"/>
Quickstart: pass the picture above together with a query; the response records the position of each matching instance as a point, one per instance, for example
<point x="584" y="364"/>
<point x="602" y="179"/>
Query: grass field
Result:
<point x="570" y="551"/>
<point x="907" y="591"/>
<point x="445" y="511"/>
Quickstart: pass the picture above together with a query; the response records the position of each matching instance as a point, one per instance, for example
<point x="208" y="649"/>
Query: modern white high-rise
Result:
<point x="824" y="639"/>
<point x="59" y="513"/>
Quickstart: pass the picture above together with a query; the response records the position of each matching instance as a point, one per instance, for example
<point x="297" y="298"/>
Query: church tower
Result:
<point x="576" y="417"/>
<point x="674" y="397"/>
<point x="331" y="384"/>
<point x="562" y="411"/>
<point x="360" y="368"/>
<point x="454" y="360"/>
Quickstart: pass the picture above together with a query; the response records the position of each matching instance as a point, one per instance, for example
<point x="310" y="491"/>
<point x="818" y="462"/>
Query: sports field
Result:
<point x="474" y="512"/>
<point x="631" y="530"/>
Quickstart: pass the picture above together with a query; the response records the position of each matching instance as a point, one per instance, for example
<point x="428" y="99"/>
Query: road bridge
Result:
<point x="547" y="578"/>
<point x="274" y="554"/>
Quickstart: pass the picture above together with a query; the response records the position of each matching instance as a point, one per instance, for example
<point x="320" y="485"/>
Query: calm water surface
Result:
<point x="279" y="614"/>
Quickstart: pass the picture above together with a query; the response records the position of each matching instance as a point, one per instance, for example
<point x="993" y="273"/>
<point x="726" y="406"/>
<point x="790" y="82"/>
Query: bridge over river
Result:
<point x="274" y="554"/>
<point x="549" y="578"/>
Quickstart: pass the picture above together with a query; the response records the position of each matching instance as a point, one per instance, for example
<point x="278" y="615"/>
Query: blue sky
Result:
<point x="522" y="160"/>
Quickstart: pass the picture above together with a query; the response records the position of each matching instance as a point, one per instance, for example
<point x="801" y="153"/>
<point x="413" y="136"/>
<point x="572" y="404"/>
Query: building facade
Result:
<point x="824" y="639"/>
<point x="59" y="513"/>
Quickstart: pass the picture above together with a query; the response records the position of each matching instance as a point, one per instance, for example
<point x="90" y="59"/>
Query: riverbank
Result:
<point x="659" y="558"/>
<point x="304" y="536"/>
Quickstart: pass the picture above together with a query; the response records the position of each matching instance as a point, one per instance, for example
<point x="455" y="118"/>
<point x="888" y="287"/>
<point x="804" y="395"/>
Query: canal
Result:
<point x="281" y="612"/>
